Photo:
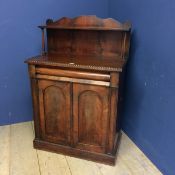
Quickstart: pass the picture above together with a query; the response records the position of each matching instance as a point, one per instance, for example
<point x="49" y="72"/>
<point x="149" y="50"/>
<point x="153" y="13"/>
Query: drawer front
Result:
<point x="73" y="74"/>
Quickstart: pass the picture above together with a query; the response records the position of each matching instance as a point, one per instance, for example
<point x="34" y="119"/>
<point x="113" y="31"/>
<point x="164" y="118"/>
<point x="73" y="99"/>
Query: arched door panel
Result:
<point x="90" y="114"/>
<point x="54" y="99"/>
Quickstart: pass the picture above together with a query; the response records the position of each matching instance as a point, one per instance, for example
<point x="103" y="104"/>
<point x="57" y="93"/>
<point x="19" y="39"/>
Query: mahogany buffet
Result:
<point x="76" y="87"/>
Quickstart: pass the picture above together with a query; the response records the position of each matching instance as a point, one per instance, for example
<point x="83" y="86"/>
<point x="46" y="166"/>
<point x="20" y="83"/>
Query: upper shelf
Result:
<point x="87" y="23"/>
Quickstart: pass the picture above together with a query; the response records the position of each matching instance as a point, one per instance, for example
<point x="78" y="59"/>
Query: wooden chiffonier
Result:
<point x="77" y="87"/>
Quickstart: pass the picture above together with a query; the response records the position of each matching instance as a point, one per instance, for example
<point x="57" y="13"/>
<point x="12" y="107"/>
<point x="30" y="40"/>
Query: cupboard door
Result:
<point x="90" y="117"/>
<point x="54" y="104"/>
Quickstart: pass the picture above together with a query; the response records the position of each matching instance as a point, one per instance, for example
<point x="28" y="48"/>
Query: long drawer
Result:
<point x="73" y="76"/>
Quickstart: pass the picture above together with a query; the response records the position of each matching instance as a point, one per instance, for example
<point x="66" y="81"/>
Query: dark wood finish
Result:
<point x="73" y="74"/>
<point x="54" y="117"/>
<point x="76" y="87"/>
<point x="93" y="63"/>
<point x="43" y="43"/>
<point x="109" y="159"/>
<point x="88" y="43"/>
<point x="91" y="115"/>
<point x="75" y="80"/>
<point x="90" y="22"/>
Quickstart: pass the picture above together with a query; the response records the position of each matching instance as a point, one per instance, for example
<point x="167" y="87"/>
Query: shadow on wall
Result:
<point x="133" y="93"/>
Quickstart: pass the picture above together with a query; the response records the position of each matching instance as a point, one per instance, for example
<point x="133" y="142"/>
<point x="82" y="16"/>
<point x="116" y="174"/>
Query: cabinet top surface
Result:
<point x="79" y="62"/>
